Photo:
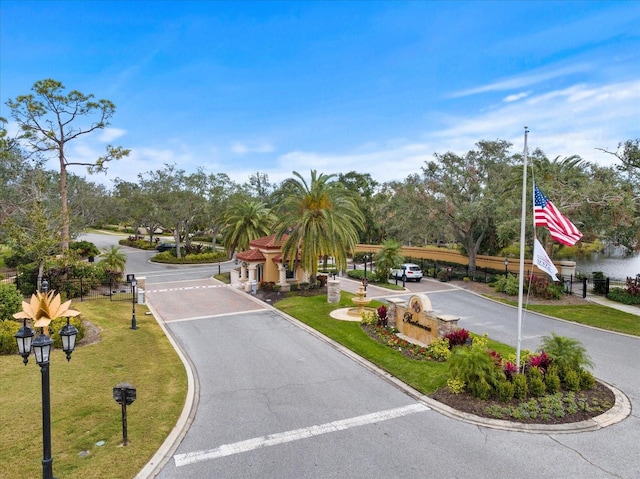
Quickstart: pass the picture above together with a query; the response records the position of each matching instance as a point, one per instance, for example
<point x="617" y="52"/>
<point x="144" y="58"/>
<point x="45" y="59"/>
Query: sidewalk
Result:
<point x="627" y="308"/>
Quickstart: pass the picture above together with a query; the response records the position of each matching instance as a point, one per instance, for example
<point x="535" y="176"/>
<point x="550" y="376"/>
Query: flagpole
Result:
<point x="522" y="244"/>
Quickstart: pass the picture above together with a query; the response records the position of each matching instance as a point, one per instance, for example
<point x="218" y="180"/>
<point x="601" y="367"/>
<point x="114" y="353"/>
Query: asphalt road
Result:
<point x="274" y="400"/>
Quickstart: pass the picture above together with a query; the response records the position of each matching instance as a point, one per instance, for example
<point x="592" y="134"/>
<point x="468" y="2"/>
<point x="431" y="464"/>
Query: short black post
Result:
<point x="584" y="287"/>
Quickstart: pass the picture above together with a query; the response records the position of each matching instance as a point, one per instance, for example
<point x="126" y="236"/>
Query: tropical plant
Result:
<point x="387" y="258"/>
<point x="316" y="219"/>
<point x="476" y="367"/>
<point x="565" y="353"/>
<point x="245" y="219"/>
<point x="114" y="261"/>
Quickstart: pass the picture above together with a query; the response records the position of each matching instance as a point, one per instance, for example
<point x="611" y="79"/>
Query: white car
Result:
<point x="410" y="272"/>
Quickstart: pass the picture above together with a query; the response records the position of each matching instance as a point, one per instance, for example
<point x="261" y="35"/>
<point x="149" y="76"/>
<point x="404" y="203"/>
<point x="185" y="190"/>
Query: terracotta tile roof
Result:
<point x="268" y="242"/>
<point x="251" y="255"/>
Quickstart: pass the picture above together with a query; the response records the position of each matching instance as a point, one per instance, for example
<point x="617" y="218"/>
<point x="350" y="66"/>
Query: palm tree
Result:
<point x="320" y="218"/>
<point x="114" y="261"/>
<point x="389" y="257"/>
<point x="245" y="219"/>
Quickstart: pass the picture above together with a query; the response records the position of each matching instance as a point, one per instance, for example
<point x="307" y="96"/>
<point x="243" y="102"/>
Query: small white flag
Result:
<point x="542" y="261"/>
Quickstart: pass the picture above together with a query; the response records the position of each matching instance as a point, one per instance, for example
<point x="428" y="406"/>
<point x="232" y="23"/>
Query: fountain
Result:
<point x="361" y="301"/>
<point x="354" y="314"/>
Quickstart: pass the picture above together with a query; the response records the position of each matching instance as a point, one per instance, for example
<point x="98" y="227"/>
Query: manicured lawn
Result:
<point x="590" y="315"/>
<point x="427" y="376"/>
<point x="82" y="406"/>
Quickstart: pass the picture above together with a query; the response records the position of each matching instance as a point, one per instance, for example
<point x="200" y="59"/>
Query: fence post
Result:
<point x="584" y="287"/>
<point x="606" y="288"/>
<point x="80" y="288"/>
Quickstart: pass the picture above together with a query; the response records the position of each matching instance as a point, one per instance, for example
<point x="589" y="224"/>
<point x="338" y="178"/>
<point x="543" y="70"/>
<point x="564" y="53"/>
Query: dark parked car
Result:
<point x="165" y="247"/>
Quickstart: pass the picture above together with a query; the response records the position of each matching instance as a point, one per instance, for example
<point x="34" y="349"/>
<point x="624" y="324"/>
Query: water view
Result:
<point x="612" y="262"/>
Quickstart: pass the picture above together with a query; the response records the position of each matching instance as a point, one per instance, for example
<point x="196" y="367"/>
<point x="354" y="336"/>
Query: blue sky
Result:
<point x="376" y="87"/>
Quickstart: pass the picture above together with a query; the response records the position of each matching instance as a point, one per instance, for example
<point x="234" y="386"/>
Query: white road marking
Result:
<point x="295" y="435"/>
<point x="184" y="288"/>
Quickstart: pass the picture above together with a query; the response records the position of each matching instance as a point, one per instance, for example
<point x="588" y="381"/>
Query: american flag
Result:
<point x="559" y="226"/>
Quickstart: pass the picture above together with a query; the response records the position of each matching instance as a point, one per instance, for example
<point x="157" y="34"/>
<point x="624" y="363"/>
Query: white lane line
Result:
<point x="213" y="316"/>
<point x="295" y="435"/>
<point x="184" y="288"/>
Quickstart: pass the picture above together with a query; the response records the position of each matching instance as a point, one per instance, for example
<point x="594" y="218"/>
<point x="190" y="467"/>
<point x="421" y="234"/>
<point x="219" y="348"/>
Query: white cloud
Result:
<point x="516" y="97"/>
<point x="521" y="81"/>
<point x="242" y="149"/>
<point x="110" y="134"/>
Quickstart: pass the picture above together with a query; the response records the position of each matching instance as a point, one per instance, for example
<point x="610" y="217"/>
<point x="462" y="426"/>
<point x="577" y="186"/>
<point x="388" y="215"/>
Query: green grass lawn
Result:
<point x="588" y="314"/>
<point x="428" y="376"/>
<point x="82" y="406"/>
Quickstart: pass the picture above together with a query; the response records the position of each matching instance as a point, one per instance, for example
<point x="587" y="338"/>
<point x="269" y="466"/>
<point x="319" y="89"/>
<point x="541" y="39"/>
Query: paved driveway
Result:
<point x="274" y="400"/>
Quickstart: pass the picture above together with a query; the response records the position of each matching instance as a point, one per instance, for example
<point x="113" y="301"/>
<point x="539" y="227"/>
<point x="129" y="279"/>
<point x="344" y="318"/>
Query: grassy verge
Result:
<point x="588" y="314"/>
<point x="82" y="406"/>
<point x="425" y="376"/>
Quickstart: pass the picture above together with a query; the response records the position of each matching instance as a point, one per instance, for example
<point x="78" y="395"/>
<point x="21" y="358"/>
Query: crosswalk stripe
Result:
<point x="295" y="435"/>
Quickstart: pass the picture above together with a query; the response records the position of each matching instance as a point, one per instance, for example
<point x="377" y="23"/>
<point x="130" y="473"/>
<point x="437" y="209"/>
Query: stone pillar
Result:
<point x="333" y="291"/>
<point x="252" y="272"/>
<point x="446" y="324"/>
<point x="396" y="306"/>
<point x="243" y="272"/>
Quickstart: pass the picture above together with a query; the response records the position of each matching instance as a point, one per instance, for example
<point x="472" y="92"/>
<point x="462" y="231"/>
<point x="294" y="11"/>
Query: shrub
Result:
<point x="541" y="287"/>
<point x="566" y="352"/>
<point x="438" y="349"/>
<point x="572" y="380"/>
<point x="552" y="381"/>
<point x="587" y="381"/>
<point x="476" y="368"/>
<point x="506" y="390"/>
<point x="481" y="389"/>
<point x="510" y="369"/>
<point x="369" y="318"/>
<point x="8" y="343"/>
<point x="520" y="390"/>
<point x="623" y="296"/>
<point x="84" y="248"/>
<point x="10" y="301"/>
<point x="539" y="361"/>
<point x="456" y="385"/>
<point x="537" y="387"/>
<point x="507" y="284"/>
<point x="382" y="315"/>
<point x="457" y="337"/>
<point x="599" y="283"/>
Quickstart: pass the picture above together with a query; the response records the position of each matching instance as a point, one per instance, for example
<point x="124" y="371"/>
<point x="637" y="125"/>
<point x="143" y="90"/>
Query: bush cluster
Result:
<point x="485" y="374"/>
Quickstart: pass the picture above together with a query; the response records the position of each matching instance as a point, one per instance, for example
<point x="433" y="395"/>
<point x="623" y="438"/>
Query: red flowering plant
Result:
<point x="457" y="337"/>
<point x="497" y="357"/>
<point x="540" y="361"/>
<point x="382" y="316"/>
<point x="510" y="369"/>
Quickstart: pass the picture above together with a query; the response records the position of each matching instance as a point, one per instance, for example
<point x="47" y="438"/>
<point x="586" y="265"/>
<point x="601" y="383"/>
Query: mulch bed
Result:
<point x="467" y="403"/>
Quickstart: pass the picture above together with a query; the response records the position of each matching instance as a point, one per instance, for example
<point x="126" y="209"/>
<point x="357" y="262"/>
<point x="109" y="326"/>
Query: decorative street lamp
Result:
<point x="131" y="278"/>
<point x="365" y="266"/>
<point x="506" y="266"/>
<point x="43" y="308"/>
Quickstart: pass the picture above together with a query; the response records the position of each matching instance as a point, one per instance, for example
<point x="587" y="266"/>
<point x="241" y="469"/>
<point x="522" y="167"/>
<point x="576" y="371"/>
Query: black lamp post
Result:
<point x="365" y="266"/>
<point x="132" y="279"/>
<point x="506" y="266"/>
<point x="41" y="347"/>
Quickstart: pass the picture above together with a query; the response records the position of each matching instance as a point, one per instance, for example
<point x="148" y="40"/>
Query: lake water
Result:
<point x="611" y="262"/>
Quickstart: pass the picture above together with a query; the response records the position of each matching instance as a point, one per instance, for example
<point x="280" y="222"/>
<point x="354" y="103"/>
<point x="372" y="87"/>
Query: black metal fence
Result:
<point x="78" y="289"/>
<point x="596" y="284"/>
